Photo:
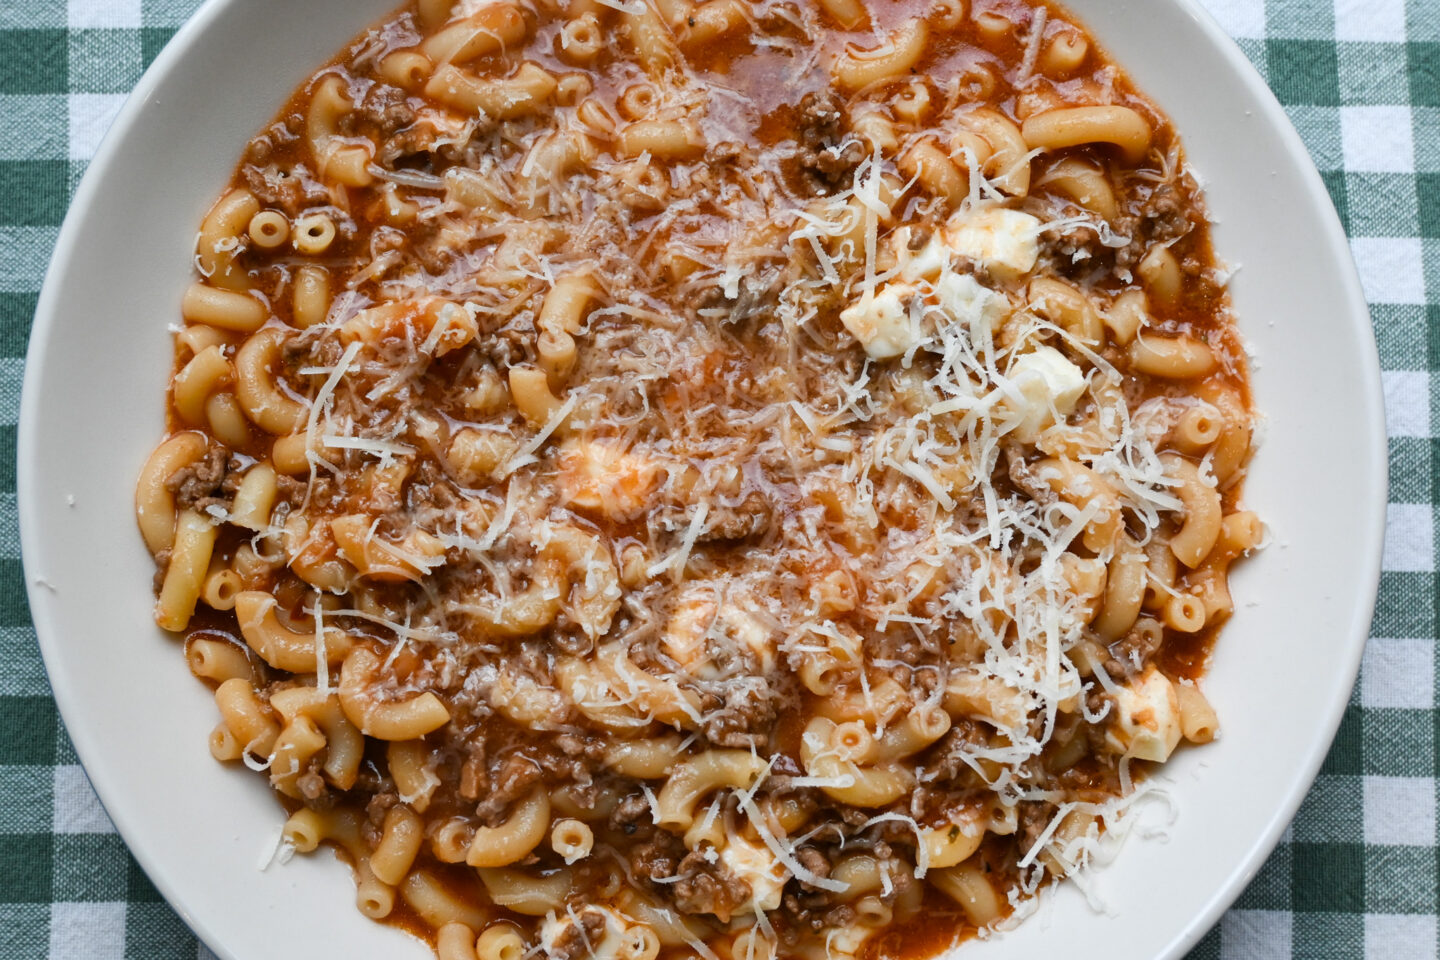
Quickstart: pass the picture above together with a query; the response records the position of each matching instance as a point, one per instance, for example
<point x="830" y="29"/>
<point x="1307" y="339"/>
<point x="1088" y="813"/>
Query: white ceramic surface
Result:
<point x="92" y="409"/>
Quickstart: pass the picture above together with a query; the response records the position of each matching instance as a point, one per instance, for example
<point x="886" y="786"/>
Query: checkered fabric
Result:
<point x="1355" y="875"/>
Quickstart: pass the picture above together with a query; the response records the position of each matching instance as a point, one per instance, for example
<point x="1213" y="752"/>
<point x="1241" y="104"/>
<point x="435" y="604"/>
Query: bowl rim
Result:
<point x="29" y="444"/>
<point x="1376" y="467"/>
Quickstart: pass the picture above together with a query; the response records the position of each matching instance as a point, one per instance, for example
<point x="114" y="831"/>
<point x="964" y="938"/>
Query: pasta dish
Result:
<point x="716" y="479"/>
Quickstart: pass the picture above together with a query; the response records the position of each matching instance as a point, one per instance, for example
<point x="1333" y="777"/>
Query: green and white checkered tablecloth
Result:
<point x="1356" y="875"/>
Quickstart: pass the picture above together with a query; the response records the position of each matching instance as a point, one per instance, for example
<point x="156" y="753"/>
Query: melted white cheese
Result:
<point x="1049" y="386"/>
<point x="754" y="864"/>
<point x="1003" y="241"/>
<point x="1147" y="718"/>
<point x="882" y="323"/>
<point x="927" y="263"/>
<point x="967" y="302"/>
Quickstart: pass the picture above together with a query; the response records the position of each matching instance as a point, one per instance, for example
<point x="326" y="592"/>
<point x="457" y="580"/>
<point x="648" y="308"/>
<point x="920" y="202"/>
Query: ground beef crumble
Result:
<point x="195" y="485"/>
<point x="826" y="161"/>
<point x="578" y="940"/>
<point x="706" y="887"/>
<point x="510" y="779"/>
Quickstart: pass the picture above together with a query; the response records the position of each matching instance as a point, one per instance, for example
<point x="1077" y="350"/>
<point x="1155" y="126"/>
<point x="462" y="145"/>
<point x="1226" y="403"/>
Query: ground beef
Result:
<point x="1130" y="653"/>
<point x="162" y="564"/>
<point x="259" y="150"/>
<point x="290" y="490"/>
<point x="657" y="858"/>
<point x="474" y="775"/>
<point x="570" y="638"/>
<point x="1034" y="817"/>
<point x="1075" y="251"/>
<point x="730" y="152"/>
<point x="1024" y="478"/>
<point x="590" y="748"/>
<point x="631" y="816"/>
<point x="827" y="158"/>
<point x="431" y="491"/>
<point x="785" y="766"/>
<point x="579" y="941"/>
<point x="945" y="761"/>
<point x="758" y="295"/>
<point x="751" y="517"/>
<point x="816" y="916"/>
<point x="1163" y="216"/>
<point x="310" y="784"/>
<point x="745" y="719"/>
<point x="324" y="800"/>
<point x="304" y="352"/>
<point x="409" y="148"/>
<point x="1097" y="701"/>
<point x="375" y="811"/>
<point x="814" y="861"/>
<point x="511" y="779"/>
<point x="825" y="162"/>
<point x="386" y="108"/>
<point x="903" y="651"/>
<point x="433" y="253"/>
<point x="711" y="888"/>
<point x="1160" y="218"/>
<point x="195" y="485"/>
<point x="387" y="239"/>
<point x="779" y="783"/>
<point x="1152" y="215"/>
<point x="834" y="166"/>
<point x="820" y="118"/>
<point x="814" y="909"/>
<point x="234" y="476"/>
<point x="560" y="767"/>
<point x="277" y="187"/>
<point x="703" y="887"/>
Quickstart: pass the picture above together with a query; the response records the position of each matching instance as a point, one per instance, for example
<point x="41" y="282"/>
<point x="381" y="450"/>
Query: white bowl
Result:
<point x="93" y="408"/>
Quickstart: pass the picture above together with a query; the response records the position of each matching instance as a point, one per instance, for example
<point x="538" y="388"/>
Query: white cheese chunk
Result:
<point x="758" y="867"/>
<point x="882" y="323"/>
<point x="1049" y="386"/>
<point x="1147" y="718"/>
<point x="845" y="943"/>
<point x="1006" y="242"/>
<point x="967" y="302"/>
<point x="923" y="264"/>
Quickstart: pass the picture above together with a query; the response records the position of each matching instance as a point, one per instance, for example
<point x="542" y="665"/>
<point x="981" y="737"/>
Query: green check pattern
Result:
<point x="1356" y="874"/>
